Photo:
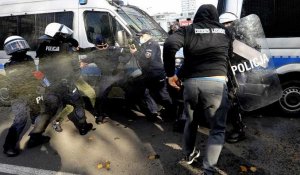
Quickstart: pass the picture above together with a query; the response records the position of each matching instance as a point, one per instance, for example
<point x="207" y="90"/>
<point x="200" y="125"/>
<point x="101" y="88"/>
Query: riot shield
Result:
<point x="257" y="83"/>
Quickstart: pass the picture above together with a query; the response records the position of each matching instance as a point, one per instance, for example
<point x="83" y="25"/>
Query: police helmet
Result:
<point x="15" y="44"/>
<point x="53" y="29"/>
<point x="227" y="17"/>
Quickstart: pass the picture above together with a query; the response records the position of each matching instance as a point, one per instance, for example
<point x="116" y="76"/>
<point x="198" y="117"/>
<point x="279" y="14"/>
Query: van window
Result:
<point x="138" y="20"/>
<point x="278" y="17"/>
<point x="102" y="23"/>
<point x="31" y="27"/>
<point x="221" y="6"/>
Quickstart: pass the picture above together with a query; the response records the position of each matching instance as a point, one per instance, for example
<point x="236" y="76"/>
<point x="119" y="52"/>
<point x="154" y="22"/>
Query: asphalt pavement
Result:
<point x="133" y="146"/>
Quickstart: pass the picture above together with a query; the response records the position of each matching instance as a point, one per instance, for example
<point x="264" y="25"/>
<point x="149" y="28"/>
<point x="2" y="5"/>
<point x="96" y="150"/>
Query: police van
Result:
<point x="87" y="18"/>
<point x="281" y="28"/>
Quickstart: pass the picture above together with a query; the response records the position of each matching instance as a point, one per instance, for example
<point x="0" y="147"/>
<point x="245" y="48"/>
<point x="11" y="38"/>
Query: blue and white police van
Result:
<point x="281" y="28"/>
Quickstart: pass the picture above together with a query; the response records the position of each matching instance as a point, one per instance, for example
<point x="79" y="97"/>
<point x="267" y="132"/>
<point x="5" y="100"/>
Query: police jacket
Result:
<point x="206" y="44"/>
<point x="52" y="46"/>
<point x="57" y="61"/>
<point x="149" y="59"/>
<point x="21" y="82"/>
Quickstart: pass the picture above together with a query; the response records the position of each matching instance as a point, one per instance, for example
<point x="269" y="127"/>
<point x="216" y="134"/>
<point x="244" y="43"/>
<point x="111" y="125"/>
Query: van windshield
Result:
<point x="138" y="20"/>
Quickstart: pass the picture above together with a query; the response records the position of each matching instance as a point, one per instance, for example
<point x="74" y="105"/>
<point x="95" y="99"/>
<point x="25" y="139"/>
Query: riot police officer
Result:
<point x="58" y="72"/>
<point x="22" y="91"/>
<point x="235" y="115"/>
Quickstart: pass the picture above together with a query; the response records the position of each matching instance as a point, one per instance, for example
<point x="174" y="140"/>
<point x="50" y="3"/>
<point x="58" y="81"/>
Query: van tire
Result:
<point x="289" y="103"/>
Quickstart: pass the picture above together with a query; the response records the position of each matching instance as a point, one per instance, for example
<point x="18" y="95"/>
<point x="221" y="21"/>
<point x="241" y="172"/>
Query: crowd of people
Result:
<point x="47" y="88"/>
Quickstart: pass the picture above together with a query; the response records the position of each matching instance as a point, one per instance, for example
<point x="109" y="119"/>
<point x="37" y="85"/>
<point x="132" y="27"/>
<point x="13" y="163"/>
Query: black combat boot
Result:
<point x="169" y="114"/>
<point x="11" y="152"/>
<point x="37" y="139"/>
<point x="99" y="119"/>
<point x="85" y="128"/>
<point x="237" y="134"/>
<point x="152" y="117"/>
<point x="9" y="147"/>
<point x="178" y="125"/>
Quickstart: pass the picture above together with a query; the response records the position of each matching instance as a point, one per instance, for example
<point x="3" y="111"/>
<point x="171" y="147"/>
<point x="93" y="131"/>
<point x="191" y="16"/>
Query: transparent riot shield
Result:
<point x="257" y="83"/>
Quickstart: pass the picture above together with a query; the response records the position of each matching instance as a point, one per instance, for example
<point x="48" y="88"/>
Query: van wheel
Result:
<point x="290" y="100"/>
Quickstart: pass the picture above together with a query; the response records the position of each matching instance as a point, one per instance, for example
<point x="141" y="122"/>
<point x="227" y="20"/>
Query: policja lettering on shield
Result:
<point x="248" y="65"/>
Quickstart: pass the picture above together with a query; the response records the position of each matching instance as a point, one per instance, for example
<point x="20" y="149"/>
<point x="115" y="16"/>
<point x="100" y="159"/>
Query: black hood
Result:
<point x="206" y="12"/>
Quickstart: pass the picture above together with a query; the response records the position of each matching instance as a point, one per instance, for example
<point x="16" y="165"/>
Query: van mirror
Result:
<point x="121" y="37"/>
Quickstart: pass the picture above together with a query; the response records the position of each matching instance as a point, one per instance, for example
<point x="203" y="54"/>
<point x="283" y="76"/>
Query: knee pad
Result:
<point x="79" y="113"/>
<point x="77" y="116"/>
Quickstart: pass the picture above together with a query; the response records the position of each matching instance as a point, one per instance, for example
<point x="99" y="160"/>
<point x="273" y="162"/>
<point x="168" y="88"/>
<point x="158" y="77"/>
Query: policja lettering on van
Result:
<point x="247" y="66"/>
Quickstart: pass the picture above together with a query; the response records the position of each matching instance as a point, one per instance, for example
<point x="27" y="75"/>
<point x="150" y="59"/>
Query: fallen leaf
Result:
<point x="99" y="166"/>
<point x="253" y="169"/>
<point x="107" y="165"/>
<point x="243" y="168"/>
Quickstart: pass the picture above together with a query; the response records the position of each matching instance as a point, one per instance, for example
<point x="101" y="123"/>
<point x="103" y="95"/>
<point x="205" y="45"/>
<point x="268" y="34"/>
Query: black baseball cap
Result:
<point x="100" y="40"/>
<point x="144" y="31"/>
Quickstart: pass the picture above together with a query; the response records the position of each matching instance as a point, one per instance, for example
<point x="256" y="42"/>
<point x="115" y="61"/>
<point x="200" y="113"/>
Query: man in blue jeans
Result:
<point x="206" y="44"/>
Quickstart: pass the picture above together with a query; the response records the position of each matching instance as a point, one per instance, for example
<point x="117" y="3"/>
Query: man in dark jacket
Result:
<point x="206" y="45"/>
<point x="106" y="58"/>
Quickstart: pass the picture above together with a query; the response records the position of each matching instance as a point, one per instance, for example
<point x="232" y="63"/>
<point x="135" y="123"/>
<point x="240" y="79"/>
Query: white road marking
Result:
<point x="21" y="170"/>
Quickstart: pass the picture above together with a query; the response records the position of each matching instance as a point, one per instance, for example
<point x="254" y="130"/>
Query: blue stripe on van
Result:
<point x="1" y="66"/>
<point x="281" y="61"/>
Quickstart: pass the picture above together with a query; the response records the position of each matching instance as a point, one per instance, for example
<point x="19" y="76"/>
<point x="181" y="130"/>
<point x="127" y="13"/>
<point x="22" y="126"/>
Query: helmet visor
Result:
<point x="16" y="46"/>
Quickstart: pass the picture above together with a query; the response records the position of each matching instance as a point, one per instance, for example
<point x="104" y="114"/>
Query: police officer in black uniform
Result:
<point x="58" y="72"/>
<point x="22" y="91"/>
<point x="153" y="73"/>
<point x="235" y="113"/>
